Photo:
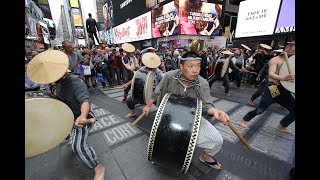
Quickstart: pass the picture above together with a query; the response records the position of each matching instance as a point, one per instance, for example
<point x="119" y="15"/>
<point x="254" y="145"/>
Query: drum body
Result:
<point x="290" y="86"/>
<point x="174" y="132"/>
<point x="142" y="86"/>
<point x="47" y="123"/>
<point x="221" y="66"/>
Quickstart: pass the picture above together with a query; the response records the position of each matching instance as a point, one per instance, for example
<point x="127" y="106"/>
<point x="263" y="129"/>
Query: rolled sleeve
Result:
<point x="159" y="87"/>
<point x="206" y="98"/>
<point x="81" y="92"/>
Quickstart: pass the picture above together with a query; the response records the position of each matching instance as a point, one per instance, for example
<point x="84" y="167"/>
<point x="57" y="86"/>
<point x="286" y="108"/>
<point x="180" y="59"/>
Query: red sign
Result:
<point x="136" y="29"/>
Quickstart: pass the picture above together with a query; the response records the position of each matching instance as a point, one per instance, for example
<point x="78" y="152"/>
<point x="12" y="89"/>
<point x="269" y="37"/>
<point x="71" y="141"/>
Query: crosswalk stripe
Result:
<point x="112" y="91"/>
<point x="119" y="98"/>
<point x="113" y="95"/>
<point x="227" y="133"/>
<point x="267" y="140"/>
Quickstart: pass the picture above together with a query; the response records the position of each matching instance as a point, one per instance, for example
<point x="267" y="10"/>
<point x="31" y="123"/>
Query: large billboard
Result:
<point x="108" y="16"/>
<point x="136" y="29"/>
<point x="109" y="36"/>
<point x="286" y="19"/>
<point x="257" y="18"/>
<point x="77" y="20"/>
<point x="200" y="18"/>
<point x="165" y="20"/>
<point x="125" y="10"/>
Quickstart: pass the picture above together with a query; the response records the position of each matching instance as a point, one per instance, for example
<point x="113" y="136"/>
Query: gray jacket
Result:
<point x="171" y="83"/>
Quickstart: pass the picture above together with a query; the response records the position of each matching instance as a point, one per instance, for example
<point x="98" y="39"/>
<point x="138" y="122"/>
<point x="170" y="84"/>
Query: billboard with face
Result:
<point x="200" y="18"/>
<point x="108" y="17"/>
<point x="165" y="20"/>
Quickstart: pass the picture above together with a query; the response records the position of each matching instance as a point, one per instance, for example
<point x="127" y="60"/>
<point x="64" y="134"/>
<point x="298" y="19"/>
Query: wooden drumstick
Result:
<point x="239" y="136"/>
<point x="138" y="119"/>
<point x="87" y="121"/>
<point x="251" y="72"/>
<point x="76" y="64"/>
<point x="286" y="58"/>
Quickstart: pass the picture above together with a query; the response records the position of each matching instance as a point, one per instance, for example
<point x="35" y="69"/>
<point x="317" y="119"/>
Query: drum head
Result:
<point x="225" y="67"/>
<point x="148" y="87"/>
<point x="47" y="123"/>
<point x="290" y="86"/>
<point x="174" y="132"/>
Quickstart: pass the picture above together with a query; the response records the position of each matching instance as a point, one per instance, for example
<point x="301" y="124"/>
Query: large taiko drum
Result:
<point x="290" y="86"/>
<point x="47" y="123"/>
<point x="142" y="86"/>
<point x="222" y="65"/>
<point x="174" y="132"/>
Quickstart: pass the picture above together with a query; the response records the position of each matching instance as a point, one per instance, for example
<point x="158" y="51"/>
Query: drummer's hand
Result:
<point x="220" y="115"/>
<point x="289" y="77"/>
<point x="76" y="123"/>
<point x="124" y="86"/>
<point x="146" y="110"/>
<point x="243" y="70"/>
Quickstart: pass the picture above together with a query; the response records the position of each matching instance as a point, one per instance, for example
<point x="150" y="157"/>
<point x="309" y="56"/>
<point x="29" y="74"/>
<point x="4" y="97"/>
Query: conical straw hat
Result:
<point x="246" y="47"/>
<point x="227" y="52"/>
<point x="278" y="50"/>
<point x="265" y="46"/>
<point x="128" y="47"/>
<point x="48" y="67"/>
<point x="151" y="48"/>
<point x="151" y="60"/>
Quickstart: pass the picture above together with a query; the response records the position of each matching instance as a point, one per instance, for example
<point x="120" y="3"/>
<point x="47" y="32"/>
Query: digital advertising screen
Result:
<point x="165" y="20"/>
<point x="125" y="10"/>
<point x="109" y="36"/>
<point x="107" y="13"/>
<point x="286" y="19"/>
<point x="200" y="18"/>
<point x="136" y="29"/>
<point x="79" y="33"/>
<point x="77" y="20"/>
<point x="257" y="18"/>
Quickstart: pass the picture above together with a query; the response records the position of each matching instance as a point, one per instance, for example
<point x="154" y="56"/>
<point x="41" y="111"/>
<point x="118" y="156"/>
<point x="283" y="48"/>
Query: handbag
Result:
<point x="86" y="70"/>
<point x="100" y="77"/>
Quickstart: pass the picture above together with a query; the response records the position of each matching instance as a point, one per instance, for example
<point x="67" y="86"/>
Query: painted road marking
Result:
<point x="225" y="105"/>
<point x="100" y="112"/>
<point x="118" y="94"/>
<point x="273" y="143"/>
<point x="226" y="175"/>
<point x="106" y="121"/>
<point x="120" y="133"/>
<point x="227" y="133"/>
<point x="112" y="91"/>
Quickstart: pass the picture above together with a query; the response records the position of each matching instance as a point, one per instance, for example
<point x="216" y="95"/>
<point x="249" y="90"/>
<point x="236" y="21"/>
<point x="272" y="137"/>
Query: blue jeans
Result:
<point x="225" y="79"/>
<point x="285" y="99"/>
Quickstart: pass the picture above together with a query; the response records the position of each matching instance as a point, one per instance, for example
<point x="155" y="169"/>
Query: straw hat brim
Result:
<point x="151" y="60"/>
<point x="128" y="47"/>
<point x="227" y="52"/>
<point x="265" y="46"/>
<point x="48" y="67"/>
<point x="151" y="48"/>
<point x="246" y="47"/>
<point x="278" y="50"/>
